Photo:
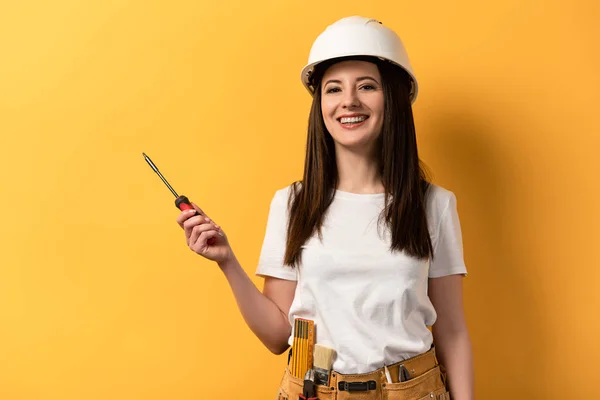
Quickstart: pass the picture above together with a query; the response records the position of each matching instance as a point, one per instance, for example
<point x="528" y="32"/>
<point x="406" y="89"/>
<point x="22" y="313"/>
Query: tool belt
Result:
<point x="417" y="378"/>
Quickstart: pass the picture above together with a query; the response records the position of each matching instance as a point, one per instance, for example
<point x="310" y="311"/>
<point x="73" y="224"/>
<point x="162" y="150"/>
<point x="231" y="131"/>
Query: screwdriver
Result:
<point x="181" y="202"/>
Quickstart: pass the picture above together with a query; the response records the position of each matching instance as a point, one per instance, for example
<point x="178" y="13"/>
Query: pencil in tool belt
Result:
<point x="295" y="350"/>
<point x="300" y="353"/>
<point x="302" y="347"/>
<point x="300" y="350"/>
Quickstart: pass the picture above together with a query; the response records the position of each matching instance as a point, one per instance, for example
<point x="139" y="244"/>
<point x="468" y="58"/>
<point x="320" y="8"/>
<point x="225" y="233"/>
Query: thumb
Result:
<point x="198" y="209"/>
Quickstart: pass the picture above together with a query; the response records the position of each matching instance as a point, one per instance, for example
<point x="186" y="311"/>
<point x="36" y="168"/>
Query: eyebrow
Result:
<point x="360" y="78"/>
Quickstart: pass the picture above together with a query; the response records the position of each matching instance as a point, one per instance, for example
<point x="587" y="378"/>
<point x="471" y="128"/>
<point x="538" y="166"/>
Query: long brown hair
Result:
<point x="403" y="175"/>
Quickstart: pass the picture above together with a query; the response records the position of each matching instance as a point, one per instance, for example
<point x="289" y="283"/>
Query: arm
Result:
<point x="265" y="313"/>
<point x="450" y="335"/>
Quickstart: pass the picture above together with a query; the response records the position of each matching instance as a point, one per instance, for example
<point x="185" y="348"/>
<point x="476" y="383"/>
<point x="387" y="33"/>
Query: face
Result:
<point x="352" y="103"/>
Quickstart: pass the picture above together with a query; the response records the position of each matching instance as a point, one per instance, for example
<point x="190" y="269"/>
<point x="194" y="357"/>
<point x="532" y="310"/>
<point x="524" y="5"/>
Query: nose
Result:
<point x="350" y="99"/>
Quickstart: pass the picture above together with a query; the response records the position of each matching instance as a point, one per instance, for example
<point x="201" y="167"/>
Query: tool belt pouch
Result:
<point x="425" y="380"/>
<point x="290" y="388"/>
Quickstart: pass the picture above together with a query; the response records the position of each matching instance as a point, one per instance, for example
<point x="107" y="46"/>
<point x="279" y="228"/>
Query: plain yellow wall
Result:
<point x="101" y="299"/>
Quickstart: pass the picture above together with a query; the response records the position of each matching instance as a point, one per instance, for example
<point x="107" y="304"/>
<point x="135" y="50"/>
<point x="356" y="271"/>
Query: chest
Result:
<point x="355" y="252"/>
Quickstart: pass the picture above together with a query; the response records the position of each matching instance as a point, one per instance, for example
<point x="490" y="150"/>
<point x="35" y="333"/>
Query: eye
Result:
<point x="368" y="87"/>
<point x="332" y="90"/>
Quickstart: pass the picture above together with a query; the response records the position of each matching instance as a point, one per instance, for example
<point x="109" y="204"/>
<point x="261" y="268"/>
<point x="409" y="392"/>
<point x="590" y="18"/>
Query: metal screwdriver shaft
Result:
<point x="159" y="174"/>
<point x="181" y="202"/>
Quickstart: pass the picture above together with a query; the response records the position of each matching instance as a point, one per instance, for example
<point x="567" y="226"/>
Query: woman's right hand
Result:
<point x="198" y="229"/>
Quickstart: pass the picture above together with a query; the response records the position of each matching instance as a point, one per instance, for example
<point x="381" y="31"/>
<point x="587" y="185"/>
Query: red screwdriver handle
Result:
<point x="183" y="203"/>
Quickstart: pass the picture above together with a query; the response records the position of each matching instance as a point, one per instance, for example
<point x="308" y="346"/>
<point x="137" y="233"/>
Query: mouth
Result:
<point x="352" y="121"/>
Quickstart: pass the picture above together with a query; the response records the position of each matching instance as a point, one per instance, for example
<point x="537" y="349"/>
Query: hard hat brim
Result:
<point x="309" y="69"/>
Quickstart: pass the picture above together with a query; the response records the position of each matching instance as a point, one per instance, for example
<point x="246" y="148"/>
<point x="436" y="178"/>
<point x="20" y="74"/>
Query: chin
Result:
<point x="353" y="143"/>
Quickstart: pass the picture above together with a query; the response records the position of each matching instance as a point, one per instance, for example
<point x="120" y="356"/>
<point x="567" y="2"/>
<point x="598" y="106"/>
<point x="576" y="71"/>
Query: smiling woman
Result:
<point x="364" y="247"/>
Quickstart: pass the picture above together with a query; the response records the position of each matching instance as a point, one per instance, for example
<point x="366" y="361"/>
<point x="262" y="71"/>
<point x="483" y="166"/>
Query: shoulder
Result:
<point x="283" y="195"/>
<point x="439" y="199"/>
<point x="287" y="192"/>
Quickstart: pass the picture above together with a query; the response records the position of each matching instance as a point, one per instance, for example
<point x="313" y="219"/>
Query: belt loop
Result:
<point x="434" y="355"/>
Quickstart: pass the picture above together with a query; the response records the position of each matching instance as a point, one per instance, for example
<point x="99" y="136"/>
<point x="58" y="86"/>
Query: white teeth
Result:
<point x="352" y="120"/>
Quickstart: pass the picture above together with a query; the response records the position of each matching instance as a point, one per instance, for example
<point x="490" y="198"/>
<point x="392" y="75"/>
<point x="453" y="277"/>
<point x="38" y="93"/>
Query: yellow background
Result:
<point x="101" y="299"/>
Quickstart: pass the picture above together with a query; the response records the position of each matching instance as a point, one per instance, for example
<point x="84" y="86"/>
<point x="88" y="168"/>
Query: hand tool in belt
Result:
<point x="302" y="348"/>
<point x="322" y="363"/>
<point x="308" y="390"/>
<point x="403" y="374"/>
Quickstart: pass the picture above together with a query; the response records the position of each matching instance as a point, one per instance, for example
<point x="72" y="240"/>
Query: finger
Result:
<point x="202" y="242"/>
<point x="199" y="219"/>
<point x="193" y="221"/>
<point x="198" y="208"/>
<point x="214" y="224"/>
<point x="184" y="216"/>
<point x="197" y="230"/>
<point x="207" y="235"/>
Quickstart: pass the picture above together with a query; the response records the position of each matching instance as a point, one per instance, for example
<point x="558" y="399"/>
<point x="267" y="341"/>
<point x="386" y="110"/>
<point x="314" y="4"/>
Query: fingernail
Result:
<point x="191" y="211"/>
<point x="207" y="219"/>
<point x="221" y="233"/>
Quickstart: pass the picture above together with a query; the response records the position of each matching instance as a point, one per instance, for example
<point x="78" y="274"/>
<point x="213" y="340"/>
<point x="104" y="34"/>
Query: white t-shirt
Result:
<point x="368" y="304"/>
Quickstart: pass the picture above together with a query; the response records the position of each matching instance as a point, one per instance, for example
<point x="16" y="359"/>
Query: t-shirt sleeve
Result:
<point x="448" y="249"/>
<point x="273" y="248"/>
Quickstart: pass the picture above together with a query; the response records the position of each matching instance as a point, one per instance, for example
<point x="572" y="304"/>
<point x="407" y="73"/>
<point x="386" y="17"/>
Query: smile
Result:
<point x="353" y="121"/>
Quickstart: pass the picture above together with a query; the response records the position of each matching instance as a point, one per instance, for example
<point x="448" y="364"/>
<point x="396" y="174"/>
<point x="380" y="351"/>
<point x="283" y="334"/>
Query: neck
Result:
<point x="358" y="173"/>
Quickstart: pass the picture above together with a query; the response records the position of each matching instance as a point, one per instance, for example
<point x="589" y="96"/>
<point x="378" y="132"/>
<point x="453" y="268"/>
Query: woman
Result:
<point x="364" y="245"/>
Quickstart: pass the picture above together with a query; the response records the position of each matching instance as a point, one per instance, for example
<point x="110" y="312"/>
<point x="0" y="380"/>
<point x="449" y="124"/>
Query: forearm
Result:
<point x="455" y="354"/>
<point x="261" y="314"/>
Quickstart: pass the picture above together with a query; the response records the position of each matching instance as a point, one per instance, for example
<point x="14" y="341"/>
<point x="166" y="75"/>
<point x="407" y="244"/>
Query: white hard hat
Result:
<point x="358" y="36"/>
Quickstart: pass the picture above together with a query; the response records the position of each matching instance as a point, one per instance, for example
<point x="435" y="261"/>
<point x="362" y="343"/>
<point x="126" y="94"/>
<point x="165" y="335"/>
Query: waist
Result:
<point x="397" y="372"/>
<point x="408" y="379"/>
